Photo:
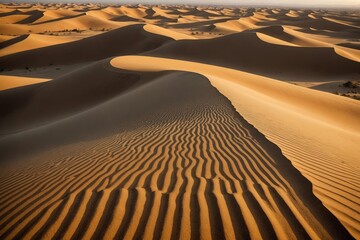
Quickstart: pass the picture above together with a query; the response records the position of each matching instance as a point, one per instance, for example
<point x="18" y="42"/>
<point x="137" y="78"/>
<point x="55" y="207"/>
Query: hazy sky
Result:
<point x="355" y="3"/>
<point x="309" y="3"/>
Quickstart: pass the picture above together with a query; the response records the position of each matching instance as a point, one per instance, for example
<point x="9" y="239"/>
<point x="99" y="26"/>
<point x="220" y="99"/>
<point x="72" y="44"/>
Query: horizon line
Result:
<point x="198" y="4"/>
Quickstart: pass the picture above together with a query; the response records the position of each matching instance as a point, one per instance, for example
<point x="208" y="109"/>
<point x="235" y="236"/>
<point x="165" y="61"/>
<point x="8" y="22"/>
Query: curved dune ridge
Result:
<point x="34" y="41"/>
<point x="239" y="25"/>
<point x="137" y="40"/>
<point x="176" y="179"/>
<point x="252" y="55"/>
<point x="165" y="32"/>
<point x="310" y="148"/>
<point x="178" y="122"/>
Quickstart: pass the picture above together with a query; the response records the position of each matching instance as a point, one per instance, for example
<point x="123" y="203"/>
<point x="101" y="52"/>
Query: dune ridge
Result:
<point x="313" y="63"/>
<point x="257" y="92"/>
<point x="34" y="41"/>
<point x="112" y="44"/>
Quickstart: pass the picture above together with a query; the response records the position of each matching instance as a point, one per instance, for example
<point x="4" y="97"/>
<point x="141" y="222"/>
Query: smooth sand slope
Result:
<point x="174" y="122"/>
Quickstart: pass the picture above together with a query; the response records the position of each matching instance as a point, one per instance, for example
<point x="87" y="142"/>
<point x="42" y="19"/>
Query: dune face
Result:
<point x="189" y="168"/>
<point x="174" y="122"/>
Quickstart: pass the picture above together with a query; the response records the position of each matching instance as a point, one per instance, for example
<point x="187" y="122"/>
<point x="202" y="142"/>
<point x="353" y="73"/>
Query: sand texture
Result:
<point x="174" y="122"/>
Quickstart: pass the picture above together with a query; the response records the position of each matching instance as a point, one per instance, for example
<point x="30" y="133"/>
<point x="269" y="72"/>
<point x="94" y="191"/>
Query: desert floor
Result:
<point x="179" y="122"/>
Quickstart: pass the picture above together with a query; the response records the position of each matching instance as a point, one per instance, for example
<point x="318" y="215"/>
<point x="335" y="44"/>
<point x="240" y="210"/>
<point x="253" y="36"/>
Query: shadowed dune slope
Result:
<point x="191" y="167"/>
<point x="316" y="24"/>
<point x="10" y="40"/>
<point x="126" y="40"/>
<point x="56" y="118"/>
<point x="12" y="18"/>
<point x="61" y="97"/>
<point x="20" y="17"/>
<point x="56" y="15"/>
<point x="245" y="51"/>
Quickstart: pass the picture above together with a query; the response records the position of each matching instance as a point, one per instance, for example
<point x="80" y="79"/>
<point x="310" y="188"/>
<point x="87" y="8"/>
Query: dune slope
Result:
<point x="315" y="132"/>
<point x="245" y="51"/>
<point x="176" y="179"/>
<point x="125" y="40"/>
<point x="63" y="96"/>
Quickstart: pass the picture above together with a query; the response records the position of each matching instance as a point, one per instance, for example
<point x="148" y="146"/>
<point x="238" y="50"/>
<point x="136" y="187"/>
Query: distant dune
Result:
<point x="174" y="122"/>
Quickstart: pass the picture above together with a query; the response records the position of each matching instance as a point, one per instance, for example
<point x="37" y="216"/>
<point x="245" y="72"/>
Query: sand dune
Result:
<point x="32" y="15"/>
<point x="12" y="18"/>
<point x="63" y="99"/>
<point x="4" y="38"/>
<point x="113" y="10"/>
<point x="53" y="15"/>
<point x="34" y="41"/>
<point x="238" y="25"/>
<point x="81" y="22"/>
<point x="286" y="36"/>
<point x="133" y="12"/>
<point x="211" y="196"/>
<point x="346" y="111"/>
<point x="252" y="55"/>
<point x="101" y="14"/>
<point x="283" y="100"/>
<point x="78" y="22"/>
<point x="168" y="33"/>
<point x="113" y="43"/>
<point x="178" y="122"/>
<point x="165" y="13"/>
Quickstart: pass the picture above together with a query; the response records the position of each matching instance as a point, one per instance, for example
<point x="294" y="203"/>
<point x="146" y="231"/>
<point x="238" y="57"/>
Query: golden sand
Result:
<point x="157" y="122"/>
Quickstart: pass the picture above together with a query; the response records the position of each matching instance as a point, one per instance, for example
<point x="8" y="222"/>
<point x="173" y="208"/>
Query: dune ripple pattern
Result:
<point x="204" y="172"/>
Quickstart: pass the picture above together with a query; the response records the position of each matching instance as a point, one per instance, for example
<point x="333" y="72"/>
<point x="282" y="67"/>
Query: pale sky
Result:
<point x="355" y="4"/>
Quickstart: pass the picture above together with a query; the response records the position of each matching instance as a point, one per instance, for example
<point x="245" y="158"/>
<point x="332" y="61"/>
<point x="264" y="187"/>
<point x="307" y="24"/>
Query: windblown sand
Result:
<point x="173" y="122"/>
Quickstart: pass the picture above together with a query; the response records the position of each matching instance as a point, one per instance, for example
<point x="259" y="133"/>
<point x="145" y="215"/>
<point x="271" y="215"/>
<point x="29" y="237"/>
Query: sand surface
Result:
<point x="174" y="122"/>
